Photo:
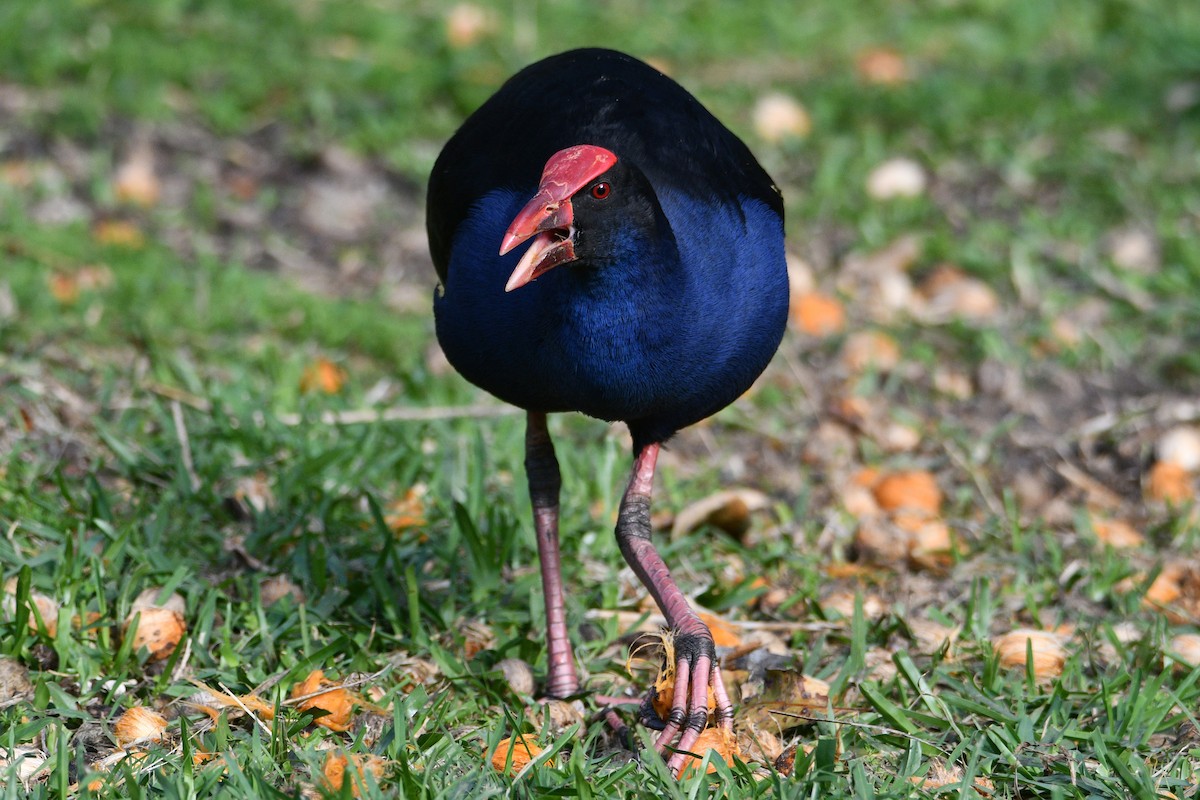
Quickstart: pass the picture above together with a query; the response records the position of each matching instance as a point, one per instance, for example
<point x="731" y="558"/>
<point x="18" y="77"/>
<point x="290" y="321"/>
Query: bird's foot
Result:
<point x="696" y="690"/>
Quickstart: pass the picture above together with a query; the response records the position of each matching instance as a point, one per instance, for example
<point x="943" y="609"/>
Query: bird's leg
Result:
<point x="542" y="468"/>
<point x="696" y="667"/>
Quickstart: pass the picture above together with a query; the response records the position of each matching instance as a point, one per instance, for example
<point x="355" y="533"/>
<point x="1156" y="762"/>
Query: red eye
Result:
<point x="601" y="190"/>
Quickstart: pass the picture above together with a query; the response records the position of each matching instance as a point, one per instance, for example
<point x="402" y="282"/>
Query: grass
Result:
<point x="143" y="410"/>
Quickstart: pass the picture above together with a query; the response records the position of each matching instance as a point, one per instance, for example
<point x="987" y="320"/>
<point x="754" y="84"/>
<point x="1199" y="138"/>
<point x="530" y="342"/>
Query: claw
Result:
<point x="646" y="713"/>
<point x="690" y="680"/>
<point x="678" y="707"/>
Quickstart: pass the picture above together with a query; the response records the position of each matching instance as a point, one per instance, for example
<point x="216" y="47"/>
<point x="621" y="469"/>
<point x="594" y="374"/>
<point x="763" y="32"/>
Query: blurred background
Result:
<point x="1046" y="134"/>
<point x="213" y="271"/>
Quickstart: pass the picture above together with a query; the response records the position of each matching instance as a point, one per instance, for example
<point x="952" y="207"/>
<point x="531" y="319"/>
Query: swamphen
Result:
<point x="651" y="289"/>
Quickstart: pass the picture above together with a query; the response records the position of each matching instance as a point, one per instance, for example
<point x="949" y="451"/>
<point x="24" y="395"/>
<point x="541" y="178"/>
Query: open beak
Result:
<point x="548" y="218"/>
<point x="548" y="223"/>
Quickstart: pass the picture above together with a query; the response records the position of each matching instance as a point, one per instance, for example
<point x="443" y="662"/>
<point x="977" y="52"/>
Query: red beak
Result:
<point x="548" y="216"/>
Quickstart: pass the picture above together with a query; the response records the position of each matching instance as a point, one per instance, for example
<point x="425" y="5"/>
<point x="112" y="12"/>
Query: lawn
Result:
<point x="232" y="456"/>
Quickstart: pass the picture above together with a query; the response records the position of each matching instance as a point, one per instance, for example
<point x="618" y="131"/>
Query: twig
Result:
<point x="863" y="725"/>
<point x="1097" y="492"/>
<point x="1109" y="283"/>
<point x="374" y="676"/>
<point x="654" y="622"/>
<point x="182" y="663"/>
<point x="187" y="398"/>
<point x="266" y="728"/>
<point x="404" y="414"/>
<point x="985" y="489"/>
<point x="784" y="627"/>
<point x="1164" y="413"/>
<point x="185" y="445"/>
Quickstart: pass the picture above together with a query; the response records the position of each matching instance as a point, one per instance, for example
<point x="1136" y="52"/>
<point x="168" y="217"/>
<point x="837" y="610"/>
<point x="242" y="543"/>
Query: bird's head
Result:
<point x="584" y="192"/>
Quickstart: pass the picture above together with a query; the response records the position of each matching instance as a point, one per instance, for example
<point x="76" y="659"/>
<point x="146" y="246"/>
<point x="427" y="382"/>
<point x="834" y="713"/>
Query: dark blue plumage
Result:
<point x="642" y="280"/>
<point x="665" y="333"/>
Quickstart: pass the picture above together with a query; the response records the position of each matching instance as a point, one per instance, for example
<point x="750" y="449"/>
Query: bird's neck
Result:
<point x="640" y="262"/>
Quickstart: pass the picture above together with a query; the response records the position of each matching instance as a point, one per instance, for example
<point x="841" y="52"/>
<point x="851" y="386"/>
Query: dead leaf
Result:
<point x="255" y="491"/>
<point x="64" y="287"/>
<point x="854" y="410"/>
<point x="800" y="275"/>
<point x="842" y="601"/>
<point x="931" y="636"/>
<point x="118" y="233"/>
<point x="1187" y="647"/>
<point x="477" y="637"/>
<point x="788" y="699"/>
<point x="139" y="724"/>
<point x="940" y="776"/>
<point x="897" y="437"/>
<point x="870" y="350"/>
<point x="1176" y="593"/>
<point x="234" y="704"/>
<point x="150" y="598"/>
<point x="723" y="633"/>
<point x="242" y="185"/>
<point x="16" y="173"/>
<point x="1169" y="483"/>
<point x="273" y="589"/>
<point x="1049" y="655"/>
<point x="519" y="675"/>
<point x="411" y="671"/>
<point x="14" y="681"/>
<point x="882" y="66"/>
<point x="859" y="502"/>
<point x="1180" y="445"/>
<point x="950" y="294"/>
<point x="328" y="696"/>
<point x="930" y="545"/>
<point x="158" y="630"/>
<point x="877" y="542"/>
<point x="515" y="753"/>
<point x="408" y="511"/>
<point x="561" y="715"/>
<point x="817" y="314"/>
<point x="786" y="763"/>
<point x="47" y="608"/>
<point x="1117" y="533"/>
<point x="831" y="445"/>
<point x="778" y="117"/>
<point x="136" y="181"/>
<point x="913" y="489"/>
<point x="359" y="765"/>
<point x="324" y="376"/>
<point x="468" y="24"/>
<point x="21" y="763"/>
<point x="896" y="178"/>
<point x="759" y="743"/>
<point x="728" y="510"/>
<point x="1135" y="250"/>
<point x="716" y="740"/>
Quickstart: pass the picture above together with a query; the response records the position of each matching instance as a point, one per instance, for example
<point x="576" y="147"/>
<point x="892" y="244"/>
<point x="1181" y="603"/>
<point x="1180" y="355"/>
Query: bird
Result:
<point x="604" y="245"/>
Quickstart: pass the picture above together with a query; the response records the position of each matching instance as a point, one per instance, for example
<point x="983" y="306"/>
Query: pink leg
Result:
<point x="542" y="468"/>
<point x="696" y="667"/>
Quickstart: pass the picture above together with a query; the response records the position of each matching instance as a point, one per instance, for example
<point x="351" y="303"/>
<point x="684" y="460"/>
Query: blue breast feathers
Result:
<point x="661" y="337"/>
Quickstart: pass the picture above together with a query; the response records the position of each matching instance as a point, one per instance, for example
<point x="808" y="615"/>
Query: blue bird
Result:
<point x="605" y="245"/>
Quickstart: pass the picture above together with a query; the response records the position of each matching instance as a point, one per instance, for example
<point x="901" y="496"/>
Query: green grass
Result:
<point x="136" y="415"/>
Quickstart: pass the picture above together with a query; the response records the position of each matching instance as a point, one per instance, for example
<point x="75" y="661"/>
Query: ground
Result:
<point x="213" y="275"/>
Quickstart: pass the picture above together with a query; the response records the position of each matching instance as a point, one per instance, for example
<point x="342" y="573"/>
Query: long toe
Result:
<point x="696" y="714"/>
<point x="679" y="706"/>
